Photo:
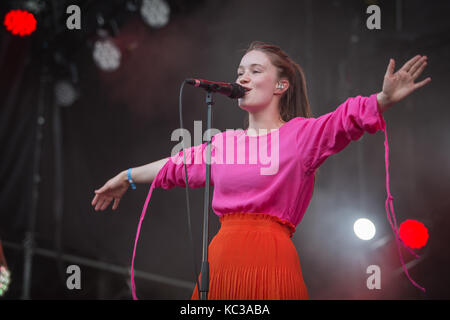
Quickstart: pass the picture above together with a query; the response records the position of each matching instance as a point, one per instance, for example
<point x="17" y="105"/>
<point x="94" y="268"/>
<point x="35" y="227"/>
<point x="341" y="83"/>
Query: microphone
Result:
<point x="231" y="90"/>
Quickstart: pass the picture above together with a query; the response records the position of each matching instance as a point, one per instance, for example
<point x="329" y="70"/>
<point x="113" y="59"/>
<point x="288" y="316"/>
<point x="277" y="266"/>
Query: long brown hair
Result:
<point x="294" y="102"/>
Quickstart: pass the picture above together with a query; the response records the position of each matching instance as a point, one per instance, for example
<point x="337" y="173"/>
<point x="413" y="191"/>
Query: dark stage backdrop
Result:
<point x="125" y="119"/>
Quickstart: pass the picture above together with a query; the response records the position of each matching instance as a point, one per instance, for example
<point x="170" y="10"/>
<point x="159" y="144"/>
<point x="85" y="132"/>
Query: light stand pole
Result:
<point x="29" y="241"/>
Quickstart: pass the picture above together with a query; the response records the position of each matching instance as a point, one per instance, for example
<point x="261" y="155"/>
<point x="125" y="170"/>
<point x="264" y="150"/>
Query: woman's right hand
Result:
<point x="113" y="189"/>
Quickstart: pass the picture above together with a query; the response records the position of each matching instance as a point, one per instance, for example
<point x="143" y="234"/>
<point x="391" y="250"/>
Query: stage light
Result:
<point x="34" y="6"/>
<point x="106" y="55"/>
<point x="5" y="278"/>
<point x="65" y="93"/>
<point x="155" y="12"/>
<point x="413" y="233"/>
<point x="20" y="22"/>
<point x="364" y="229"/>
<point x="132" y="5"/>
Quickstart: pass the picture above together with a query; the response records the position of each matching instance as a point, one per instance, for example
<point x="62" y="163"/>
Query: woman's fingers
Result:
<point x="97" y="201"/>
<point x="422" y="83"/>
<point x="103" y="197"/>
<point x="101" y="189"/>
<point x="102" y="203"/>
<point x="99" y="204"/>
<point x="407" y="66"/>
<point x="390" y="68"/>
<point x="94" y="201"/>
<point x="116" y="204"/>
<point x="105" y="204"/>
<point x="417" y="71"/>
<point x="419" y="63"/>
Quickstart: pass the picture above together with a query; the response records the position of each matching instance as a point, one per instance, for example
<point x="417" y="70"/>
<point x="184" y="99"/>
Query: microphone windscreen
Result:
<point x="237" y="92"/>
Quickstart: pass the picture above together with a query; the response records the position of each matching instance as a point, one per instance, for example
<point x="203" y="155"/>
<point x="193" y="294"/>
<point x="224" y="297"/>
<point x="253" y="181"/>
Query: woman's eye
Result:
<point x="255" y="71"/>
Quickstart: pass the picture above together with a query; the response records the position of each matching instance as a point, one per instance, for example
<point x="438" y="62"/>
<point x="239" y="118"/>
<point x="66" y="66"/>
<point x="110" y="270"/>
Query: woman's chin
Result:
<point x="249" y="107"/>
<point x="244" y="105"/>
<point x="246" y="108"/>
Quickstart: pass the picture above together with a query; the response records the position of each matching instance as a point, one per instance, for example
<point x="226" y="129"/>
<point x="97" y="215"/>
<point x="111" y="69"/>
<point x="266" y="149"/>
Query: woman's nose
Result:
<point x="243" y="79"/>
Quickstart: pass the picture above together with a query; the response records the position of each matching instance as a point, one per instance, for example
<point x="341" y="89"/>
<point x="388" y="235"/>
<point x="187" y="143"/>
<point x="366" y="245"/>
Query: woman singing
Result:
<point x="252" y="256"/>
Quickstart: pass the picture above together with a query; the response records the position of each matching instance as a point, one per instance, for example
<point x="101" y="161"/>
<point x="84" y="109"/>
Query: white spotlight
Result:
<point x="364" y="229"/>
<point x="65" y="93"/>
<point x="155" y="12"/>
<point x="106" y="55"/>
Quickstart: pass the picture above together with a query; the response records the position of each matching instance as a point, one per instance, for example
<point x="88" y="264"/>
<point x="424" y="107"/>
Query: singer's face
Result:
<point x="257" y="73"/>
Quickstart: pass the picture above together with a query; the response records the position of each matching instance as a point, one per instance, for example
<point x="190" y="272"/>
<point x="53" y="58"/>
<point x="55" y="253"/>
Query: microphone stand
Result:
<point x="204" y="281"/>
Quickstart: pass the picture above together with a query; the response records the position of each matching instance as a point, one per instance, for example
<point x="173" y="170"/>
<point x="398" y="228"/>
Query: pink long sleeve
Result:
<point x="173" y="172"/>
<point x="326" y="135"/>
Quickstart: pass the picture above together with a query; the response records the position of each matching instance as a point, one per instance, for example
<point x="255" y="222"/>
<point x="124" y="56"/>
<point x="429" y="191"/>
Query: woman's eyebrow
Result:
<point x="252" y="65"/>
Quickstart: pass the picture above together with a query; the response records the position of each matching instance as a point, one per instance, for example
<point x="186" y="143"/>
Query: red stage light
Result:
<point x="413" y="233"/>
<point x="20" y="22"/>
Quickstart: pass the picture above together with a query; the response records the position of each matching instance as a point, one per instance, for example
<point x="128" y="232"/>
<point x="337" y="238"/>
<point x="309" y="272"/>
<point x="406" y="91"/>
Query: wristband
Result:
<point x="131" y="180"/>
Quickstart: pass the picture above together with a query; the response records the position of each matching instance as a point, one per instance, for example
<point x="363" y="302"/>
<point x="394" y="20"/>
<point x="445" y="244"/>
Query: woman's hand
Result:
<point x="114" y="189"/>
<point x="397" y="86"/>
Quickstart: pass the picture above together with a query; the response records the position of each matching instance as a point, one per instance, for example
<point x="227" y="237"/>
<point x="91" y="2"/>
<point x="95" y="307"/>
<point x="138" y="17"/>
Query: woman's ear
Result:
<point x="281" y="86"/>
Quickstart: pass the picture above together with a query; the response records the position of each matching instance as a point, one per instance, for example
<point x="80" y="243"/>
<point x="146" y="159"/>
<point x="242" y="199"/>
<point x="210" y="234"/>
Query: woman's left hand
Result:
<point x="397" y="86"/>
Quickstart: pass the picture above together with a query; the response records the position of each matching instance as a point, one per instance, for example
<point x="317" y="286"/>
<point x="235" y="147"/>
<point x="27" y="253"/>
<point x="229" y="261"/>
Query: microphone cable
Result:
<point x="187" y="190"/>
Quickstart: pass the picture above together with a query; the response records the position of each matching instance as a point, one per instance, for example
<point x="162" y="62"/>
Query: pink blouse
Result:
<point x="273" y="173"/>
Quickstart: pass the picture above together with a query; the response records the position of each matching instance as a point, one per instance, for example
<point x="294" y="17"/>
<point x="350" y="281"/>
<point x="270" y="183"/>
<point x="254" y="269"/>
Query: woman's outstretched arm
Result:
<point x="116" y="187"/>
<point x="146" y="173"/>
<point x="319" y="138"/>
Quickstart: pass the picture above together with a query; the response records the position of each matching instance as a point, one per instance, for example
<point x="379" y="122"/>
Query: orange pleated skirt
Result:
<point x="252" y="257"/>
